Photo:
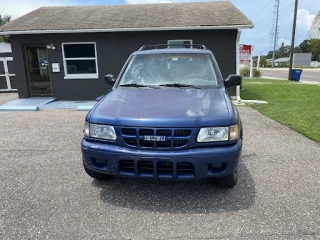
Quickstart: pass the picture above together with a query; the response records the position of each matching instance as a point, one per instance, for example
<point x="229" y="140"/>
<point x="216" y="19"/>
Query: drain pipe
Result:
<point x="238" y="62"/>
<point x="238" y="101"/>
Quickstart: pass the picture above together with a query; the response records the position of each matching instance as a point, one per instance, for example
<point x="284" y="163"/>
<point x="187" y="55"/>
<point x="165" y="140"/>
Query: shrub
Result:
<point x="245" y="72"/>
<point x="282" y="65"/>
<point x="256" y="73"/>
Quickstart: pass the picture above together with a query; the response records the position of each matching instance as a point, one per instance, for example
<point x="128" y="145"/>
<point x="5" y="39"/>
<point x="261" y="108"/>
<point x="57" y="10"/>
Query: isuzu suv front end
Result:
<point x="168" y="116"/>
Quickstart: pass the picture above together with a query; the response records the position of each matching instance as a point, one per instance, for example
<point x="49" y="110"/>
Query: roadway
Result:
<point x="308" y="75"/>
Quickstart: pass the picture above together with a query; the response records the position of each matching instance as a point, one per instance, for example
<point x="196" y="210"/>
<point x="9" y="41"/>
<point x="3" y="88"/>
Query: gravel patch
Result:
<point x="6" y="97"/>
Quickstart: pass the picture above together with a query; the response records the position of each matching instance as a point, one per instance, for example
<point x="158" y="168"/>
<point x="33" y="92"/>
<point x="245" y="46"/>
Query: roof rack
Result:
<point x="163" y="46"/>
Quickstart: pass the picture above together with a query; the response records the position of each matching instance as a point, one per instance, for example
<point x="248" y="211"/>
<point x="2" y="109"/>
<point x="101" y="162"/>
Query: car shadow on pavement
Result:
<point x="179" y="197"/>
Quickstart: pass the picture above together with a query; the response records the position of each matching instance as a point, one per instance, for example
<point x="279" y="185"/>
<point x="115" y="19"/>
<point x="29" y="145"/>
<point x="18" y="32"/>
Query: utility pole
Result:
<point x="293" y="38"/>
<point x="276" y="32"/>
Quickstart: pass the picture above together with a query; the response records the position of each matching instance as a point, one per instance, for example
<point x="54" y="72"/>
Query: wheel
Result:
<point x="97" y="175"/>
<point x="228" y="181"/>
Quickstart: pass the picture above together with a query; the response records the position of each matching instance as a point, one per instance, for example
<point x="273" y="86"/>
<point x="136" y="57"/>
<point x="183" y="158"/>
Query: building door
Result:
<point x="38" y="70"/>
<point x="7" y="76"/>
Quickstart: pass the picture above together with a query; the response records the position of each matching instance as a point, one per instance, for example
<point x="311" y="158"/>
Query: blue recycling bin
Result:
<point x="296" y="74"/>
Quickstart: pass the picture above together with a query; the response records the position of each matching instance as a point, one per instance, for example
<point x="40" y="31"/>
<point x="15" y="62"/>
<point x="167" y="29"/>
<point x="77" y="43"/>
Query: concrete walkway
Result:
<point x="10" y="102"/>
<point x="45" y="194"/>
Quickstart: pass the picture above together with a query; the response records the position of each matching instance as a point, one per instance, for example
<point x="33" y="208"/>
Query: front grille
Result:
<point x="165" y="144"/>
<point x="179" y="143"/>
<point x="130" y="141"/>
<point x="129" y="131"/>
<point x="145" y="168"/>
<point x="171" y="138"/>
<point x="182" y="132"/>
<point x="185" y="169"/>
<point x="164" y="132"/>
<point x="159" y="169"/>
<point x="146" y="132"/>
<point x="148" y="144"/>
<point x="165" y="169"/>
<point x="126" y="167"/>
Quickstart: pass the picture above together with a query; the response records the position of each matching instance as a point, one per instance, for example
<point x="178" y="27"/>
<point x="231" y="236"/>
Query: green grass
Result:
<point x="292" y="104"/>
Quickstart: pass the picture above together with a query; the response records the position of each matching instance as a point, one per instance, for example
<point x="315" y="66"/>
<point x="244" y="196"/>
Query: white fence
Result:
<point x="315" y="64"/>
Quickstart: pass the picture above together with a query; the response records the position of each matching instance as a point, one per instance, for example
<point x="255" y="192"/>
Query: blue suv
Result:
<point x="168" y="116"/>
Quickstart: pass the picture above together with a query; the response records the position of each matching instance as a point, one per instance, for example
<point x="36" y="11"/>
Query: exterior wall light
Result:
<point x="51" y="46"/>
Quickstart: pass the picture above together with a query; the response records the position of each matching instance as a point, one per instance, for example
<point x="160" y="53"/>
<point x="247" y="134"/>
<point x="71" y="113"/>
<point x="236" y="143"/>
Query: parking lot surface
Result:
<point x="45" y="193"/>
<point x="6" y="97"/>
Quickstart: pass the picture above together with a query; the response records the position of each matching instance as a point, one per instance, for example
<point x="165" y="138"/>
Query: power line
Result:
<point x="261" y="10"/>
<point x="286" y="6"/>
<point x="262" y="17"/>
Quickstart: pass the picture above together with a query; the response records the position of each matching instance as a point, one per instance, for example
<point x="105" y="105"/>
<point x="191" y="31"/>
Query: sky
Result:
<point x="260" y="12"/>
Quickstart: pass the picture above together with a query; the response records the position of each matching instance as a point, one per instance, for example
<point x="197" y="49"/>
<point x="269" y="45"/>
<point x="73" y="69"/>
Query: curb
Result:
<point x="19" y="108"/>
<point x="84" y="108"/>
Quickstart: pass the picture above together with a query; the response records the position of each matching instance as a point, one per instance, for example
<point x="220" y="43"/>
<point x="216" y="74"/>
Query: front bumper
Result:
<point x="197" y="163"/>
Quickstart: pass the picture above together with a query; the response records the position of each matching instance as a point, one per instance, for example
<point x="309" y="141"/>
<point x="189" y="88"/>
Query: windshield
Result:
<point x="170" y="69"/>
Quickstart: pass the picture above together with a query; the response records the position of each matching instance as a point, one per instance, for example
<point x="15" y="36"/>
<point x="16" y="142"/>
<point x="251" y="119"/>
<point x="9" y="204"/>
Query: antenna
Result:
<point x="274" y="30"/>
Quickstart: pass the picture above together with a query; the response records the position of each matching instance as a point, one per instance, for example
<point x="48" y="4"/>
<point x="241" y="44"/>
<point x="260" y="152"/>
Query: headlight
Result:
<point x="99" y="131"/>
<point x="218" y="134"/>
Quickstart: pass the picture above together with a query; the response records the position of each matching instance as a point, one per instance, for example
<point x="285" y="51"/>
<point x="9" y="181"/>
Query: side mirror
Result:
<point x="109" y="80"/>
<point x="99" y="98"/>
<point x="233" y="80"/>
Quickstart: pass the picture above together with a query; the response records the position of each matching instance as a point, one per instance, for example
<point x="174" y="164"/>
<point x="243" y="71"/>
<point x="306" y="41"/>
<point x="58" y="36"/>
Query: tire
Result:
<point x="97" y="175"/>
<point x="228" y="181"/>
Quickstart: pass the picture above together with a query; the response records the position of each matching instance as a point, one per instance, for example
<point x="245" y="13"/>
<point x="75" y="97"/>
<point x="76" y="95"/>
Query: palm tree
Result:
<point x="315" y="27"/>
<point x="3" y="20"/>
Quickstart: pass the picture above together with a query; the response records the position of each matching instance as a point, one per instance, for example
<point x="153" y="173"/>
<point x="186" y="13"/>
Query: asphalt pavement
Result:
<point x="7" y="97"/>
<point x="45" y="193"/>
<point x="308" y="75"/>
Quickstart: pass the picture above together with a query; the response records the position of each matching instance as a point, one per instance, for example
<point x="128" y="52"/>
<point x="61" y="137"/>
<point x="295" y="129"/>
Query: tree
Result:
<point x="315" y="49"/>
<point x="263" y="61"/>
<point x="270" y="54"/>
<point x="297" y="49"/>
<point x="283" y="51"/>
<point x="287" y="51"/>
<point x="305" y="46"/>
<point x="3" y="20"/>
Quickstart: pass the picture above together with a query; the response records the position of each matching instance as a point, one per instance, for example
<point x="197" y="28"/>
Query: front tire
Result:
<point x="228" y="181"/>
<point x="98" y="175"/>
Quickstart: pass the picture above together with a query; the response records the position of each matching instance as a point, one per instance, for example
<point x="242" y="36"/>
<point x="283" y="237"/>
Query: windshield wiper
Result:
<point x="137" y="85"/>
<point x="178" y="85"/>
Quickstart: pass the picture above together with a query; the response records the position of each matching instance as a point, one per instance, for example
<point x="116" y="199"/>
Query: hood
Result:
<point x="165" y="107"/>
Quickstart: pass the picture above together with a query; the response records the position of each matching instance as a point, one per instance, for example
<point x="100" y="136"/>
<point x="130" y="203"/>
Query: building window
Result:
<point x="80" y="60"/>
<point x="179" y="43"/>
